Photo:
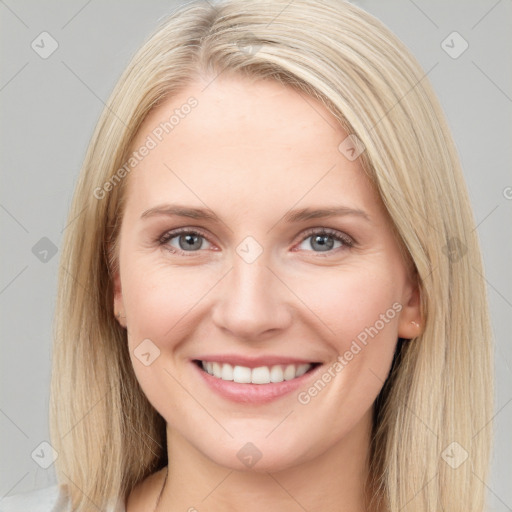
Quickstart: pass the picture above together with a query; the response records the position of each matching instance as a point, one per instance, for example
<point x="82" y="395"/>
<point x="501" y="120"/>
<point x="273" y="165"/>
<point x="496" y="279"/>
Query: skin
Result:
<point x="251" y="151"/>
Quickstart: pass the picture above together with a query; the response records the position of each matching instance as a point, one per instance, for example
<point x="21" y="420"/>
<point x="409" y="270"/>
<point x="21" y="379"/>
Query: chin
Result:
<point x="259" y="456"/>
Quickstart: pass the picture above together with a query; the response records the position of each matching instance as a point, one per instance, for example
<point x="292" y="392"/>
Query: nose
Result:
<point x="252" y="303"/>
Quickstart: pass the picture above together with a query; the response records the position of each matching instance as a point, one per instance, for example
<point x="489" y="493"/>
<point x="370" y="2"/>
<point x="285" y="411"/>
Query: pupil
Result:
<point x="321" y="239"/>
<point x="190" y="239"/>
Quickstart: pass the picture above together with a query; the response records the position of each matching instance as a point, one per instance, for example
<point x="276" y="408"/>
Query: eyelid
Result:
<point x="335" y="233"/>
<point x="170" y="234"/>
<point x="348" y="241"/>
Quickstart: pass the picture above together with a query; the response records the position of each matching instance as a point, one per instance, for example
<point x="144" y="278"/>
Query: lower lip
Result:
<point x="254" y="393"/>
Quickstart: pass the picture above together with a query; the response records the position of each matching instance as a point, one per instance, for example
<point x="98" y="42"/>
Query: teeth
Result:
<point x="217" y="369"/>
<point x="227" y="372"/>
<point x="260" y="375"/>
<point x="289" y="372"/>
<point x="241" y="374"/>
<point x="276" y="374"/>
<point x="302" y="369"/>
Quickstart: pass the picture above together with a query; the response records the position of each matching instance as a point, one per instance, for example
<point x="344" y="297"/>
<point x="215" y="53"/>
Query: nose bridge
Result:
<point x="251" y="300"/>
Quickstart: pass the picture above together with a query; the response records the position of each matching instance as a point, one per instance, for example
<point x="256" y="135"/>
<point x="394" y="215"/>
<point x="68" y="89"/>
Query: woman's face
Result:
<point x="266" y="280"/>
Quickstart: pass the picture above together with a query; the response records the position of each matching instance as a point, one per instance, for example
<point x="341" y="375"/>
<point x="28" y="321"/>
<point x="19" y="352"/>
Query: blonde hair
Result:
<point x="440" y="388"/>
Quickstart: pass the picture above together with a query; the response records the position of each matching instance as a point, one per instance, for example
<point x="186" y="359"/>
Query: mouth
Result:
<point x="250" y="381"/>
<point x="259" y="375"/>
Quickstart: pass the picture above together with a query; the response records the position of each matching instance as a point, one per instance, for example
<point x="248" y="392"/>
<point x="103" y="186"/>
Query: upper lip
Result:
<point x="252" y="362"/>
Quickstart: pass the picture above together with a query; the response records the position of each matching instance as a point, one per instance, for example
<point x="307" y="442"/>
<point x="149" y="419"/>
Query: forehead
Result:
<point x="254" y="142"/>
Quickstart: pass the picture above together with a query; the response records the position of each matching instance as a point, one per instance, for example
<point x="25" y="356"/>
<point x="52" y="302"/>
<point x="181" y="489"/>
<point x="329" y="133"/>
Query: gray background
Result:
<point x="50" y="106"/>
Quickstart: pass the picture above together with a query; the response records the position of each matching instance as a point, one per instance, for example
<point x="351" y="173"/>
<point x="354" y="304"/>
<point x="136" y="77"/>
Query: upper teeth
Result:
<point x="259" y="375"/>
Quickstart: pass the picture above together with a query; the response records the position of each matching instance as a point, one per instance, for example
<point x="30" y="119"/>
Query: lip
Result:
<point x="253" y="393"/>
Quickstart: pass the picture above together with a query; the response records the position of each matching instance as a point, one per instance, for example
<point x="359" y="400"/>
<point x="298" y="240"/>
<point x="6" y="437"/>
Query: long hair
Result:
<point x="431" y="437"/>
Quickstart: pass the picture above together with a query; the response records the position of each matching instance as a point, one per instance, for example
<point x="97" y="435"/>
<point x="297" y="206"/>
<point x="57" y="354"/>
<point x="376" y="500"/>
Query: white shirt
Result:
<point x="48" y="499"/>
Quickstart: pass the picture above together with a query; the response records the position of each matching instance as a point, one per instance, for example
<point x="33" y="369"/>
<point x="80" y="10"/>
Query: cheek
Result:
<point x="158" y="298"/>
<point x="159" y="302"/>
<point x="358" y="313"/>
<point x="346" y="301"/>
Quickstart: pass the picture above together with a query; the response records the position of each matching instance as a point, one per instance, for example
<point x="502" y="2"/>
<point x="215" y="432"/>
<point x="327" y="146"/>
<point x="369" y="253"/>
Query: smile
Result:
<point x="259" y="375"/>
<point x="254" y="380"/>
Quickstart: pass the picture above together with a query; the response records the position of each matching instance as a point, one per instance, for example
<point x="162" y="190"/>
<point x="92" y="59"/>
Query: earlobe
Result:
<point x="410" y="324"/>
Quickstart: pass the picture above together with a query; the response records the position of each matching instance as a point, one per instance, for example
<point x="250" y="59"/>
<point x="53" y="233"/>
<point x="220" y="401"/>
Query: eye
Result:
<point x="187" y="241"/>
<point x="324" y="239"/>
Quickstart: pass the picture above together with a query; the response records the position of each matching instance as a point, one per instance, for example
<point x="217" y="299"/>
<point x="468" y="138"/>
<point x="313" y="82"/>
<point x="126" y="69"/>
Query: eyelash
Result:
<point x="347" y="241"/>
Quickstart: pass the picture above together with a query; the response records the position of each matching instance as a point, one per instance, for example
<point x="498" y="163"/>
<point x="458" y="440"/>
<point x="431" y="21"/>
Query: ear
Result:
<point x="118" y="300"/>
<point x="410" y="324"/>
<point x="119" y="310"/>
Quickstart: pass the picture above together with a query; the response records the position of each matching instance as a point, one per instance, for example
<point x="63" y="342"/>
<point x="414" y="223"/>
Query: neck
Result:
<point x="333" y="481"/>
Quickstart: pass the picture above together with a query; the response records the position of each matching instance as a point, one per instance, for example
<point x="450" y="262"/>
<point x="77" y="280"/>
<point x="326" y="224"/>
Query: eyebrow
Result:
<point x="298" y="215"/>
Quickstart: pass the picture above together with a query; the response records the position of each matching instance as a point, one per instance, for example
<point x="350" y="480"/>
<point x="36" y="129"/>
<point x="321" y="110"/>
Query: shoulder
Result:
<point x="49" y="499"/>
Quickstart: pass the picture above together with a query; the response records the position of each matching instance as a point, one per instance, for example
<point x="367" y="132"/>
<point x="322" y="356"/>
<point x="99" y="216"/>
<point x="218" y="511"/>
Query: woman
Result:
<point x="270" y="300"/>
